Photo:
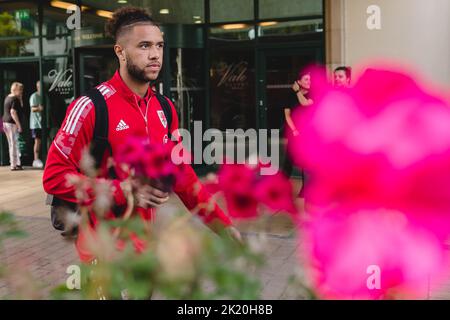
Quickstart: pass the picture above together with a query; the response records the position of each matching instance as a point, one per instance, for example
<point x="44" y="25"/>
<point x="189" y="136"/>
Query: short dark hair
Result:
<point x="125" y="17"/>
<point x="347" y="70"/>
<point x="302" y="73"/>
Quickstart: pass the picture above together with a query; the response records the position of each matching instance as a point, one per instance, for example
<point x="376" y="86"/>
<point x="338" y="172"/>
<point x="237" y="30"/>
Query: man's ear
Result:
<point x="120" y="53"/>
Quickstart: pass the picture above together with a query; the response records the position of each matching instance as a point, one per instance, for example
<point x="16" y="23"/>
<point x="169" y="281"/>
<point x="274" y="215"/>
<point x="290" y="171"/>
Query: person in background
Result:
<point x="299" y="98"/>
<point x="11" y="123"/>
<point x="342" y="77"/>
<point x="36" y="109"/>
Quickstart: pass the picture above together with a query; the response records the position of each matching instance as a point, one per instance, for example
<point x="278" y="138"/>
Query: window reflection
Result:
<point x="58" y="87"/>
<point x="288" y="8"/>
<point x="19" y="19"/>
<point x="187" y="84"/>
<point x="179" y="11"/>
<point x="58" y="45"/>
<point x="231" y="10"/>
<point x="54" y="21"/>
<point x="272" y="28"/>
<point x="236" y="31"/>
<point x="232" y="77"/>
<point x="19" y="48"/>
<point x="98" y="65"/>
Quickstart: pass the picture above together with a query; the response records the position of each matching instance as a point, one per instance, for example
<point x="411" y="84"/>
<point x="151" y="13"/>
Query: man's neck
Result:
<point x="137" y="87"/>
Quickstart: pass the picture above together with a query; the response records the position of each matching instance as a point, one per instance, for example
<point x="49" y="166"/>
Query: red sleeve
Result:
<point x="190" y="190"/>
<point x="65" y="152"/>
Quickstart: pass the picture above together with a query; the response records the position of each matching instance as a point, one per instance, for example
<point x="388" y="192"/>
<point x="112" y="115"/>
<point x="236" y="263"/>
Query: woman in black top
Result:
<point x="11" y="123"/>
<point x="300" y="88"/>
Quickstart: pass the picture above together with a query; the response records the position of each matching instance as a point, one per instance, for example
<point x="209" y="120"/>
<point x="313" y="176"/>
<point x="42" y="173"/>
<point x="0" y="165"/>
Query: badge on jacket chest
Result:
<point x="162" y="118"/>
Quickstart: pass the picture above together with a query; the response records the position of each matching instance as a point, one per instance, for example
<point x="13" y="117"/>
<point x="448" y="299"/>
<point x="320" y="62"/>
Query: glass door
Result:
<point x="279" y="69"/>
<point x="96" y="65"/>
<point x="232" y="78"/>
<point x="187" y="85"/>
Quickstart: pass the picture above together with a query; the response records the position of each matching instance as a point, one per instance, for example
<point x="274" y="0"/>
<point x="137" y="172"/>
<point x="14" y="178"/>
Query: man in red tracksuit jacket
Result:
<point x="133" y="110"/>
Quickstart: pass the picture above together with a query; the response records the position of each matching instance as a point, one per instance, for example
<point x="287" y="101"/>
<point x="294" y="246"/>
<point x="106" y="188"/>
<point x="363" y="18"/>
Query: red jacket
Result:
<point x="126" y="117"/>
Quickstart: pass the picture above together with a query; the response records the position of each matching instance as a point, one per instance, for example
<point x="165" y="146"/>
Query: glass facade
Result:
<point x="54" y="22"/>
<point x="58" y="90"/>
<point x="231" y="10"/>
<point x="290" y="28"/>
<point x="19" y="48"/>
<point x="235" y="31"/>
<point x="19" y="19"/>
<point x="187" y="85"/>
<point x="226" y="63"/>
<point x="269" y="9"/>
<point x="232" y="89"/>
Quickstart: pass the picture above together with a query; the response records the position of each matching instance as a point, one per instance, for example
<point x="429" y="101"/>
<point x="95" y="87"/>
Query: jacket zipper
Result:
<point x="146" y="112"/>
<point x="148" y="137"/>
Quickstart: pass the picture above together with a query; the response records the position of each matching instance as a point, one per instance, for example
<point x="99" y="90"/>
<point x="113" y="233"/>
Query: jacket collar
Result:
<point x="120" y="86"/>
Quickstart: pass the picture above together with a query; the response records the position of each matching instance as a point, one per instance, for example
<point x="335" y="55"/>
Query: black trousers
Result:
<point x="287" y="169"/>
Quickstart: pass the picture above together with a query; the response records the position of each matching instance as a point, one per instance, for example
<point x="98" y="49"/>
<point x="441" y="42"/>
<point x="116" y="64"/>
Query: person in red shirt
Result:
<point x="133" y="110"/>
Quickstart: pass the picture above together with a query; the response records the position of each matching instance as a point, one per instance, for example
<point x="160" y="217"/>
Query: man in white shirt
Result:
<point x="36" y="109"/>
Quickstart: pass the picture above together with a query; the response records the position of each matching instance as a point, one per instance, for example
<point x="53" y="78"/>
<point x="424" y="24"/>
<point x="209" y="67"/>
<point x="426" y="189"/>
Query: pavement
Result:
<point x="45" y="256"/>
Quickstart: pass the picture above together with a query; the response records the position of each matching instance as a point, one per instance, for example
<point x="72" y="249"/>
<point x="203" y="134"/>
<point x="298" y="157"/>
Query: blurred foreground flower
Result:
<point x="180" y="238"/>
<point x="148" y="161"/>
<point x="347" y="249"/>
<point x="183" y="260"/>
<point x="374" y="153"/>
<point x="244" y="189"/>
<point x="132" y="255"/>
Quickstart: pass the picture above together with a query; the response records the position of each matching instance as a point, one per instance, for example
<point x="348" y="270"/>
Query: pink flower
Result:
<point x="236" y="177"/>
<point x="131" y="153"/>
<point x="241" y="204"/>
<point x="243" y="189"/>
<point x="149" y="161"/>
<point x="371" y="254"/>
<point x="236" y="182"/>
<point x="158" y="161"/>
<point x="275" y="192"/>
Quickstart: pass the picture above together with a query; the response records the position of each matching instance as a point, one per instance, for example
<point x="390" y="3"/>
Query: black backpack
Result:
<point x="61" y="209"/>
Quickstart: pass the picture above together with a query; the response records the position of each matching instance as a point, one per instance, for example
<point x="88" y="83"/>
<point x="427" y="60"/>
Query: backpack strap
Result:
<point x="167" y="109"/>
<point x="99" y="143"/>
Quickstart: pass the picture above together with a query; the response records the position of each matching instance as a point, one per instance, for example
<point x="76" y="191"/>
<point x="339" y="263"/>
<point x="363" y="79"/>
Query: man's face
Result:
<point x="143" y="50"/>
<point x="340" y="79"/>
<point x="38" y="86"/>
